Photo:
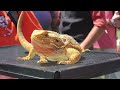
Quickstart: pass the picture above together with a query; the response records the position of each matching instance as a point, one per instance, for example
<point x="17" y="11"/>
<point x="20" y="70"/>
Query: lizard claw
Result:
<point x="23" y="58"/>
<point x="42" y="61"/>
<point x="64" y="62"/>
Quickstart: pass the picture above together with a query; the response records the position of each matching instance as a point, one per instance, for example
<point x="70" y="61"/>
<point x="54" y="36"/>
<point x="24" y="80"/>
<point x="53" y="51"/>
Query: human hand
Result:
<point x="116" y="19"/>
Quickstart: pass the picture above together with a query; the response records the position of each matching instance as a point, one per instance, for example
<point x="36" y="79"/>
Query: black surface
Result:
<point x="92" y="64"/>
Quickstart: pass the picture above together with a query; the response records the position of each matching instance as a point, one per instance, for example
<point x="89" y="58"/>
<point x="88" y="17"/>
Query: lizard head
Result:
<point x="46" y="38"/>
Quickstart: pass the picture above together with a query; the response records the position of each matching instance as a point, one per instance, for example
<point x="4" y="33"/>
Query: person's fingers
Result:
<point x="116" y="12"/>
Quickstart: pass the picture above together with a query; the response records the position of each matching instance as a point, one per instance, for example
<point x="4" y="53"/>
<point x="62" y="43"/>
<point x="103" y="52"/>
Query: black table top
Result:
<point x="91" y="64"/>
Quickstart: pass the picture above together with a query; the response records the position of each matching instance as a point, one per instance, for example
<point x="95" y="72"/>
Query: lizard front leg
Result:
<point x="72" y="59"/>
<point x="42" y="59"/>
<point x="31" y="54"/>
<point x="78" y="47"/>
<point x="74" y="56"/>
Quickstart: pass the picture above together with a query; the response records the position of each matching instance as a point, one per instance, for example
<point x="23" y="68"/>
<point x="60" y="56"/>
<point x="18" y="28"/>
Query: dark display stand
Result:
<point x="92" y="64"/>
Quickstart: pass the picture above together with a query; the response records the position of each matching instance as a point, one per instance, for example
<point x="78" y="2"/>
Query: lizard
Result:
<point x="50" y="46"/>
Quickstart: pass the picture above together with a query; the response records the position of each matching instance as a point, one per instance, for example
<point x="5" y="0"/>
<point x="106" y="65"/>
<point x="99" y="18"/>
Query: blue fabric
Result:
<point x="44" y="17"/>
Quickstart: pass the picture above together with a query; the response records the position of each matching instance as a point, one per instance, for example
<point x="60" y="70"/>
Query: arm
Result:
<point x="94" y="34"/>
<point x="55" y="20"/>
<point x="97" y="30"/>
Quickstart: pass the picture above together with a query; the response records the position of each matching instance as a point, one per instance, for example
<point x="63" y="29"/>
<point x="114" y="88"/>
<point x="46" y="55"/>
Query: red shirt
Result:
<point x="99" y="18"/>
<point x="7" y="30"/>
<point x="108" y="38"/>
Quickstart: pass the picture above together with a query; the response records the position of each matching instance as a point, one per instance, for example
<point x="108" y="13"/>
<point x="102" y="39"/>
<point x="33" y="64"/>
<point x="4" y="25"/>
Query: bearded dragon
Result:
<point x="49" y="45"/>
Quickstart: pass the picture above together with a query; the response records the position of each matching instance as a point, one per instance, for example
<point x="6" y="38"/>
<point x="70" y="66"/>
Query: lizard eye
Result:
<point x="57" y="40"/>
<point x="46" y="35"/>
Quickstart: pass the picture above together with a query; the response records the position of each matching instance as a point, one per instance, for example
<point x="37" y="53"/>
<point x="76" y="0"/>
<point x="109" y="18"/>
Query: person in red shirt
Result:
<point x="8" y="31"/>
<point x="99" y="26"/>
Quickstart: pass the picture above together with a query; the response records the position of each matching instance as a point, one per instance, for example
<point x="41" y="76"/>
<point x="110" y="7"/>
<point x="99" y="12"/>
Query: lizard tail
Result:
<point x="25" y="44"/>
